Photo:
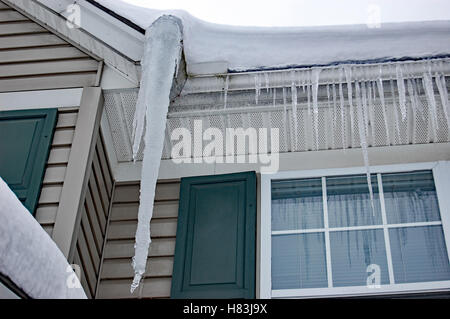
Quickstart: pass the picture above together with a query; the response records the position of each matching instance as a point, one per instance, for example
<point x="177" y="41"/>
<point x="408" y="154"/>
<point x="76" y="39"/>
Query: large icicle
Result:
<point x="160" y="60"/>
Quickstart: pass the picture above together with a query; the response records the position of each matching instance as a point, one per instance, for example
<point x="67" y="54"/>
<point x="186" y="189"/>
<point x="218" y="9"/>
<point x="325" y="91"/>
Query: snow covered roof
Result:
<point x="29" y="257"/>
<point x="211" y="48"/>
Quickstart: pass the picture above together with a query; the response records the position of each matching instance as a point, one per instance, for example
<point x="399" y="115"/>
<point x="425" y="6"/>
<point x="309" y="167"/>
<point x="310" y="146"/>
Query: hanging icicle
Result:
<point x="294" y="99"/>
<point x="363" y="141"/>
<point x="397" y="120"/>
<point x="225" y="94"/>
<point x="266" y="78"/>
<point x="315" y="92"/>
<point x="162" y="53"/>
<point x="429" y="93"/>
<point x="401" y="90"/>
<point x="274" y="94"/>
<point x="348" y="76"/>
<point x="383" y="105"/>
<point x="342" y="103"/>
<point x="257" y="88"/>
<point x="443" y="93"/>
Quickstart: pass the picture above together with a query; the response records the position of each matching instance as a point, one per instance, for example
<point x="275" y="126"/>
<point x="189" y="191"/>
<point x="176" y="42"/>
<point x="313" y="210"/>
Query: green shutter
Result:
<point x="25" y="140"/>
<point x="215" y="246"/>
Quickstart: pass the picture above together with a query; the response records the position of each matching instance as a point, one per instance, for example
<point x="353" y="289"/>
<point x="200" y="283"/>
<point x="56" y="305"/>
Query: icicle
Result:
<point x="335" y="113"/>
<point x="257" y="88"/>
<point x="266" y="78"/>
<point x="365" y="109"/>
<point x="412" y="96"/>
<point x="419" y="105"/>
<point x="371" y="110"/>
<point x="285" y="113"/>
<point x="225" y="96"/>
<point x="397" y="120"/>
<point x="308" y="93"/>
<point x="383" y="105"/>
<point x="294" y="99"/>
<point x="363" y="140"/>
<point x="401" y="91"/>
<point x="333" y="116"/>
<point x="348" y="76"/>
<point x="442" y="87"/>
<point x="274" y="97"/>
<point x="429" y="93"/>
<point x="342" y="103"/>
<point x="162" y="52"/>
<point x="315" y="92"/>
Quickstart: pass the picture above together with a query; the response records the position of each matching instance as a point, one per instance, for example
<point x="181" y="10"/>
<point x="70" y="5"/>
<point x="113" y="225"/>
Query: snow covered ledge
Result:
<point x="29" y="257"/>
<point x="160" y="63"/>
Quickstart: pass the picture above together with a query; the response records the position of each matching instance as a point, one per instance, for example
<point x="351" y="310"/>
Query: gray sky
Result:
<point x="306" y="12"/>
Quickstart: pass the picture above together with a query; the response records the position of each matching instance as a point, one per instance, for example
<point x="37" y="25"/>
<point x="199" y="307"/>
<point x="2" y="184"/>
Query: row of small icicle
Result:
<point x="360" y="95"/>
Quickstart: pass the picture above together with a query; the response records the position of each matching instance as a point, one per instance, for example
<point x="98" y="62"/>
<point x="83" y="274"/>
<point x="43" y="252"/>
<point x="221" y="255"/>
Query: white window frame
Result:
<point x="441" y="174"/>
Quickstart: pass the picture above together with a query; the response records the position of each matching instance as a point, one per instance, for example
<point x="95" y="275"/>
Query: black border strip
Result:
<point x="129" y="23"/>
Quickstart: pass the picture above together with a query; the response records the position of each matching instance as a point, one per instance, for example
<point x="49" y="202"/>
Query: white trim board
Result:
<point x="129" y="171"/>
<point x="13" y="101"/>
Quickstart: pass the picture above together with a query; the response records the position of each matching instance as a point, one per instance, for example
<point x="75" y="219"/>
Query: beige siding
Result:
<point x="92" y="231"/>
<point x="117" y="273"/>
<point x="56" y="168"/>
<point x="32" y="58"/>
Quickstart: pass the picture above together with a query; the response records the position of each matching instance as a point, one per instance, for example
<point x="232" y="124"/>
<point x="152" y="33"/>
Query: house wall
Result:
<point x="94" y="218"/>
<point x="32" y="58"/>
<point x="56" y="168"/>
<point x="117" y="273"/>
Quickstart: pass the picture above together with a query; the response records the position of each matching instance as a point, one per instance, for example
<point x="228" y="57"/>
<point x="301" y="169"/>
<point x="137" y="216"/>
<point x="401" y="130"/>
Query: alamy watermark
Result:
<point x="73" y="16"/>
<point x="74" y="276"/>
<point x="250" y="145"/>
<point x="374" y="278"/>
<point x="373" y="16"/>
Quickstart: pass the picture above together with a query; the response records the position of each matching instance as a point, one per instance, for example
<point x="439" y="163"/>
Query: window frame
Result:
<point x="441" y="174"/>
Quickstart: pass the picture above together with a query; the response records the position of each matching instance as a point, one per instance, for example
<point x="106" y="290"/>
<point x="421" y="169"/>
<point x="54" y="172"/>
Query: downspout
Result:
<point x="161" y="59"/>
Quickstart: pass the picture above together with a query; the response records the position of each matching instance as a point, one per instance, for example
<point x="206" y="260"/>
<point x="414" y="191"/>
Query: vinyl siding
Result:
<point x="94" y="216"/>
<point x="56" y="168"/>
<point x="32" y="58"/>
<point x="117" y="273"/>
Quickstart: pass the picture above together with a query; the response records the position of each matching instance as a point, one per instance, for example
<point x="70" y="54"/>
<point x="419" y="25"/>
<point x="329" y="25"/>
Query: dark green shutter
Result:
<point x="215" y="246"/>
<point x="25" y="140"/>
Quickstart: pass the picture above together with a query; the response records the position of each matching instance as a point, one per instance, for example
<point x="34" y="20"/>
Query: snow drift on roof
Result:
<point x="255" y="48"/>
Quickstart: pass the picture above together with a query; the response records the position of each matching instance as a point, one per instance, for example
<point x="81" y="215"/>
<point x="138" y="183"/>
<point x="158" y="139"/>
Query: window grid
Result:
<point x="385" y="226"/>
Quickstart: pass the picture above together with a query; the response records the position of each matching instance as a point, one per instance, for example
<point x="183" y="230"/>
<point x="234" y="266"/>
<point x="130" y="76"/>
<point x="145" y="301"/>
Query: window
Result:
<point x="323" y="235"/>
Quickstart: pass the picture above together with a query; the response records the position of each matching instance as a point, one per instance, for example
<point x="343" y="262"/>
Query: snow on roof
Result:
<point x="256" y="48"/>
<point x="29" y="257"/>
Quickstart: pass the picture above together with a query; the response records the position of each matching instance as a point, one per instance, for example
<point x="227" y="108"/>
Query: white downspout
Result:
<point x="162" y="54"/>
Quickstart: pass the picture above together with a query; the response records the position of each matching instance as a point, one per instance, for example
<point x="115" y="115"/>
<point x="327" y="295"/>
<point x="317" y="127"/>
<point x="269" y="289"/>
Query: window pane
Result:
<point x="297" y="204"/>
<point x="352" y="252"/>
<point x="410" y="197"/>
<point x="298" y="261"/>
<point x="419" y="254"/>
<point x="349" y="201"/>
